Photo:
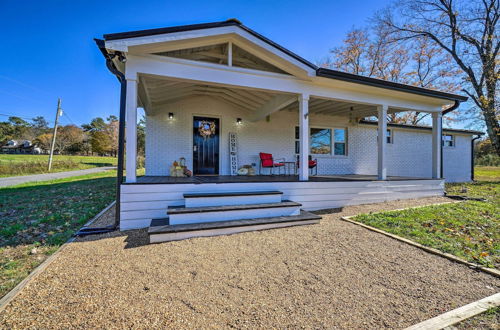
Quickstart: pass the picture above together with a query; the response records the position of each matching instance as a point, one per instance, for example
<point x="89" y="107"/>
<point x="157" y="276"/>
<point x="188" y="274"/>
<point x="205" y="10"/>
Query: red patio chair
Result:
<point x="313" y="164"/>
<point x="267" y="161"/>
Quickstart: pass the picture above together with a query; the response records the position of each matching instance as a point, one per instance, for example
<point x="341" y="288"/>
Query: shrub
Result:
<point x="488" y="160"/>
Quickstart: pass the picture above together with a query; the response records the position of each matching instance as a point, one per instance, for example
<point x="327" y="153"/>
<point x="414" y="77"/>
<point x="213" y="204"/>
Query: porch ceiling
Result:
<point x="155" y="93"/>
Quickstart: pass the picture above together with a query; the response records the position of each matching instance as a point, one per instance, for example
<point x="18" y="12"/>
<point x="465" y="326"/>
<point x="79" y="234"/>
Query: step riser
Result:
<point x="232" y="200"/>
<point x="166" y="237"/>
<point x="188" y="218"/>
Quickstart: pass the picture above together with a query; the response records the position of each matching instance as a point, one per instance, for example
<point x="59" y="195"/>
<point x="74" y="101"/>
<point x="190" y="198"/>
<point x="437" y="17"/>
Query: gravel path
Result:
<point x="331" y="275"/>
<point x="15" y="180"/>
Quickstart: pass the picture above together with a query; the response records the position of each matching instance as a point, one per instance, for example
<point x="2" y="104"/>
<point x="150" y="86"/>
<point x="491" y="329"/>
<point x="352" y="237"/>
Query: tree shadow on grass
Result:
<point x="99" y="164"/>
<point x="49" y="213"/>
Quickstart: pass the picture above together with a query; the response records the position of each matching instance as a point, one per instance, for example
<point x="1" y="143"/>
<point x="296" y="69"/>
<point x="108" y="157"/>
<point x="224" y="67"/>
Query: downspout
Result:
<point x="121" y="140"/>
<point x="472" y="156"/>
<point x="450" y="109"/>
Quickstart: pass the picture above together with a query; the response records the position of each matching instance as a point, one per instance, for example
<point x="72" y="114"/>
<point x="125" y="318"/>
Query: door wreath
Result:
<point x="206" y="128"/>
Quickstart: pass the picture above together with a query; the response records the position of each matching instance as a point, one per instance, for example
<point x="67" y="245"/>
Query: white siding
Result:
<point x="409" y="155"/>
<point x="142" y="202"/>
<point x="456" y="160"/>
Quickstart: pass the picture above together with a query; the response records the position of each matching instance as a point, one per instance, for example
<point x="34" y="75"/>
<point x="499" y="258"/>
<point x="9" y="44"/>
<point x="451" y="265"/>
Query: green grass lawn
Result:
<point x="37" y="218"/>
<point x="470" y="229"/>
<point x="13" y="165"/>
<point x="487" y="173"/>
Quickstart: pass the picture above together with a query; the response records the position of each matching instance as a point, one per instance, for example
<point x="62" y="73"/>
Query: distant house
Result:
<point x="21" y="147"/>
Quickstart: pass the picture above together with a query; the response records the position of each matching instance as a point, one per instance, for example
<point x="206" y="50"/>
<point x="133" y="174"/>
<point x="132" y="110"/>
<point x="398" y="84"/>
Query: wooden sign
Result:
<point x="233" y="153"/>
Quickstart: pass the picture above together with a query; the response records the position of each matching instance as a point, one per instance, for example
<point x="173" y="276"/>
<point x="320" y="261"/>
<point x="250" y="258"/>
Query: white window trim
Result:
<point x="453" y="139"/>
<point x="392" y="136"/>
<point x="345" y="142"/>
<point x="332" y="142"/>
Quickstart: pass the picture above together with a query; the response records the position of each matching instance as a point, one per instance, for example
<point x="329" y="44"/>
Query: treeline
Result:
<point x="97" y="137"/>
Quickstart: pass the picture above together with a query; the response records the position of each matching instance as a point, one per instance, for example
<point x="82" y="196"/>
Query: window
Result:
<point x="340" y="141"/>
<point x="448" y="140"/>
<point x="324" y="141"/>
<point x="321" y="141"/>
<point x="389" y="136"/>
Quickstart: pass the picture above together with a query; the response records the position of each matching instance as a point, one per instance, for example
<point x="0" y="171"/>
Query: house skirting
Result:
<point x="142" y="202"/>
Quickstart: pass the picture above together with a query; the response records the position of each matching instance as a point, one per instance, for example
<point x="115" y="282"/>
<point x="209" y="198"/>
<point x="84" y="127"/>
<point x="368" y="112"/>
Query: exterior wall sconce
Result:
<point x="239" y="121"/>
<point x="170" y="115"/>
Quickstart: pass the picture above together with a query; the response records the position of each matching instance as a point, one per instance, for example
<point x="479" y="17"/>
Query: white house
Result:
<point x="217" y="95"/>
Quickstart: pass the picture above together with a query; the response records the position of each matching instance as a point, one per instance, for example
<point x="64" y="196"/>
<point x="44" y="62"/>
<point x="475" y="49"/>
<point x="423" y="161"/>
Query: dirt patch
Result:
<point x="334" y="274"/>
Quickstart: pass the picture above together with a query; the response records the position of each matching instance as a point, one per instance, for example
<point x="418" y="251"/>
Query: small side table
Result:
<point x="288" y="168"/>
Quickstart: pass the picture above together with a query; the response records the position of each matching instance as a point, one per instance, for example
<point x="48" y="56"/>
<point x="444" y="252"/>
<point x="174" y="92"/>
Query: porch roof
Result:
<point x="319" y="72"/>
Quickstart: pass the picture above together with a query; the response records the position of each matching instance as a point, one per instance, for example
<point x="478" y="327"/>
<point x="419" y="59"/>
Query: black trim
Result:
<point x="354" y="78"/>
<point x="472" y="156"/>
<point x="232" y="194"/>
<point x="191" y="27"/>
<point x="160" y="222"/>
<point x="121" y="129"/>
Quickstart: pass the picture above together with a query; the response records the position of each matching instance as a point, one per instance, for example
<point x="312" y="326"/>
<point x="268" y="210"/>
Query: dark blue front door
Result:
<point x="205" y="146"/>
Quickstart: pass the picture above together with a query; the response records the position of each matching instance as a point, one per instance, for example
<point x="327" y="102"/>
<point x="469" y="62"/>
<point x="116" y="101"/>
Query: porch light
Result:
<point x="170" y="115"/>
<point x="239" y="121"/>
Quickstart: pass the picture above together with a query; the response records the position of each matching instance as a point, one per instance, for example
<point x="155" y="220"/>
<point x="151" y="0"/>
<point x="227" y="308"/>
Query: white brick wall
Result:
<point x="409" y="155"/>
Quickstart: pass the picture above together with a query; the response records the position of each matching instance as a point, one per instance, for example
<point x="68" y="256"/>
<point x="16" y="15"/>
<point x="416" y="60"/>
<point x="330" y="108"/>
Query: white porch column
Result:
<point x="437" y="132"/>
<point x="304" y="137"/>
<point x="382" y="141"/>
<point x="131" y="131"/>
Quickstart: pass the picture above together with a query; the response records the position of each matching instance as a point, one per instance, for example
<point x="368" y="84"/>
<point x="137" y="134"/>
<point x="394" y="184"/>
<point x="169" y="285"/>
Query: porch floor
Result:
<point x="263" y="178"/>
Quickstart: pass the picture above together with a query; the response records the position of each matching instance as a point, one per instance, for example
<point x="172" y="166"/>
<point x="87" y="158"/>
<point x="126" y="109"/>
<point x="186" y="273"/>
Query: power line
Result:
<point x="10" y="115"/>
<point x="25" y="85"/>
<point x="65" y="113"/>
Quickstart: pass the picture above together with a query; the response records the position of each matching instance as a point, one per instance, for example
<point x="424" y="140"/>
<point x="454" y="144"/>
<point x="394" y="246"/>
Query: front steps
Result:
<point x="212" y="214"/>
<point x="240" y="198"/>
<point x="161" y="231"/>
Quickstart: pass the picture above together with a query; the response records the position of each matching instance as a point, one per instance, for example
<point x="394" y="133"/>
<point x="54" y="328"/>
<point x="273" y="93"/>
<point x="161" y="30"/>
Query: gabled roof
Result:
<point x="320" y="72"/>
<point x="191" y="27"/>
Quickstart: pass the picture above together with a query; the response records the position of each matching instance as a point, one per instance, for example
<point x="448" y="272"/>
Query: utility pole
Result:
<point x="58" y="113"/>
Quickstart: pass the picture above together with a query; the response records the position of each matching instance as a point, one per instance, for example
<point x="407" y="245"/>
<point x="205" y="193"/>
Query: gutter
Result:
<point x="380" y="83"/>
<point x="472" y="156"/>
<point x="121" y="140"/>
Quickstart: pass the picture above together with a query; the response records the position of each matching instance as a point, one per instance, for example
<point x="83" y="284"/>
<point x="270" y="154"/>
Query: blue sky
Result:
<point x="48" y="49"/>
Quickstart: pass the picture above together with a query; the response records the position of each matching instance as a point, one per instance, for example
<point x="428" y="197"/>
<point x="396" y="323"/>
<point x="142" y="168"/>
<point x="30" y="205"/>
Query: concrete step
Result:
<point x="232" y="198"/>
<point x="189" y="215"/>
<point x="162" y="231"/>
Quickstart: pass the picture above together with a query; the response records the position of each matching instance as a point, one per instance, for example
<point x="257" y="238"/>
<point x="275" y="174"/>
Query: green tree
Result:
<point x="20" y="128"/>
<point x="141" y="136"/>
<point x="100" y="142"/>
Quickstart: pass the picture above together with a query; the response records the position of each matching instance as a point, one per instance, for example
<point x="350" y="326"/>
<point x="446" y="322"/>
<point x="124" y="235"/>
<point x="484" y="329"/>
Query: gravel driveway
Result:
<point x="331" y="275"/>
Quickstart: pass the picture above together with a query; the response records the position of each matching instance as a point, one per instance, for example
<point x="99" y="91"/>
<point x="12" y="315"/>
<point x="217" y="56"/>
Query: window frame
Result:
<point x="389" y="139"/>
<point x="346" y="139"/>
<point x="453" y="141"/>
<point x="332" y="141"/>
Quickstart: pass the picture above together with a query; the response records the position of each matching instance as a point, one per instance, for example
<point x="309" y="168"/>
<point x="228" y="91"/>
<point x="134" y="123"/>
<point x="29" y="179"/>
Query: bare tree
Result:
<point x="418" y="62"/>
<point x="351" y="56"/>
<point x="467" y="32"/>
